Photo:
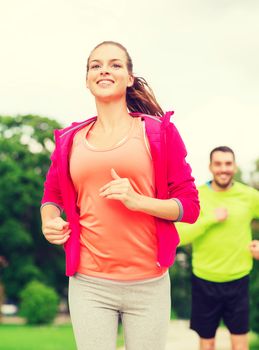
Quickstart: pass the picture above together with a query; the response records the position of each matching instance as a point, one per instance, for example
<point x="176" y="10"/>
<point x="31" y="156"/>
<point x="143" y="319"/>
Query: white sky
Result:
<point x="199" y="56"/>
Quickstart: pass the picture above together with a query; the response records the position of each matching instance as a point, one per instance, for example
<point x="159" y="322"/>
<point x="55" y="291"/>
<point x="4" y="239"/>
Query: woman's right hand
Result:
<point x="56" y="231"/>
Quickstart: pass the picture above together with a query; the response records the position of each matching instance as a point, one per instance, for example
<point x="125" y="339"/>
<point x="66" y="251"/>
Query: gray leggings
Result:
<point x="96" y="304"/>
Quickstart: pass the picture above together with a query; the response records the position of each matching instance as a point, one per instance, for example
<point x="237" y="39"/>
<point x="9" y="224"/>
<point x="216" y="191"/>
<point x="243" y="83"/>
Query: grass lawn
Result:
<point x="254" y="343"/>
<point x="22" y="337"/>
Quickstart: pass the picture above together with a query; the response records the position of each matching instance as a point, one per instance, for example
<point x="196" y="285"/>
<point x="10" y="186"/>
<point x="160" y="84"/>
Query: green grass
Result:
<point x="254" y="342"/>
<point x="23" y="337"/>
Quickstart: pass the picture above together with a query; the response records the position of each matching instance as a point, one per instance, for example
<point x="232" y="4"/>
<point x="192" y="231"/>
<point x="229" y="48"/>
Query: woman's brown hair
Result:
<point x="139" y="96"/>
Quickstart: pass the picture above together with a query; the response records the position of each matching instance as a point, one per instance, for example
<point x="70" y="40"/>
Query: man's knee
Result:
<point x="240" y="347"/>
<point x="239" y="342"/>
<point x="207" y="344"/>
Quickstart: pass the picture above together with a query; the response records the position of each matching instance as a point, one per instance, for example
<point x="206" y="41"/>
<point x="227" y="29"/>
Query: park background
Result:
<point x="201" y="59"/>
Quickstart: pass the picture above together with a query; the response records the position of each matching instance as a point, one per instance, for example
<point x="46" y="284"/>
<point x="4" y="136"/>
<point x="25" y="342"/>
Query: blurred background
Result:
<point x="201" y="59"/>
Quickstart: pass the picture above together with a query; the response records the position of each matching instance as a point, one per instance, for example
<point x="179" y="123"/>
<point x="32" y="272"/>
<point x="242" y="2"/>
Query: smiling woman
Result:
<point x="107" y="73"/>
<point x="121" y="178"/>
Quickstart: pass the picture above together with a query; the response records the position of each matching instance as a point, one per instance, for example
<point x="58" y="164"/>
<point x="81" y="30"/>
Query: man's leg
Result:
<point x="236" y="312"/>
<point x="239" y="341"/>
<point x="206" y="311"/>
<point x="207" y="344"/>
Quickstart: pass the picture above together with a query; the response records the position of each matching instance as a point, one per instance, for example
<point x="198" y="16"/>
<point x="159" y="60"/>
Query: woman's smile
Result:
<point x="105" y="82"/>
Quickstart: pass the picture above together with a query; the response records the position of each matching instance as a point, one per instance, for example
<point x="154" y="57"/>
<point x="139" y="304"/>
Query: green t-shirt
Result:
<point x="220" y="250"/>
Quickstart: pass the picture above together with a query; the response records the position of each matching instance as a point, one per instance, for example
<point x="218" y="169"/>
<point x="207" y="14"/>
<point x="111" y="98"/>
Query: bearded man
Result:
<point x="222" y="253"/>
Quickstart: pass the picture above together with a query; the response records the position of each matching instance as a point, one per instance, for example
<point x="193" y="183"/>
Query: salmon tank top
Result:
<point x="115" y="242"/>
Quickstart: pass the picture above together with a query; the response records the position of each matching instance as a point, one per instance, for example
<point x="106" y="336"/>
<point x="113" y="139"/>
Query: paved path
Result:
<point x="180" y="337"/>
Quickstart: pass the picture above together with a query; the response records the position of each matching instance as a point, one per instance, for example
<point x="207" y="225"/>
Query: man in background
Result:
<point x="222" y="253"/>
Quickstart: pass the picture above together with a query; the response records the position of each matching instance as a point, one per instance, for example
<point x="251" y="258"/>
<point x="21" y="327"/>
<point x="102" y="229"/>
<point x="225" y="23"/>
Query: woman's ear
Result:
<point x="131" y="81"/>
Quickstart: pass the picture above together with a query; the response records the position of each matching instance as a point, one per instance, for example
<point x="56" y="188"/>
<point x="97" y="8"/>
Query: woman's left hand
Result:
<point x="120" y="189"/>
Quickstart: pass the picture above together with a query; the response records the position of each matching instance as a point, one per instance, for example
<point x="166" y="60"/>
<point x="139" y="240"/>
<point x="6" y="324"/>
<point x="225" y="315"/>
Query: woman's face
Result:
<point x="108" y="76"/>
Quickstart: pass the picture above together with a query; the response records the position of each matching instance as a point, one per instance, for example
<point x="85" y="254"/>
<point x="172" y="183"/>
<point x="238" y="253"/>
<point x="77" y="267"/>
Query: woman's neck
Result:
<point x="112" y="114"/>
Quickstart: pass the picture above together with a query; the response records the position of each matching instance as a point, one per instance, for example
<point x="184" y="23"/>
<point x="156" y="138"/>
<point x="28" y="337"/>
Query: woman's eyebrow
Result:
<point x="112" y="60"/>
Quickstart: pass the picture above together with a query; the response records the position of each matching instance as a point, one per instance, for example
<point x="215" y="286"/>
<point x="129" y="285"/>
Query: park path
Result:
<point x="180" y="337"/>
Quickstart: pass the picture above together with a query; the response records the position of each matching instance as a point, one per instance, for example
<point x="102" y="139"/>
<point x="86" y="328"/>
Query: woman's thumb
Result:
<point x="115" y="176"/>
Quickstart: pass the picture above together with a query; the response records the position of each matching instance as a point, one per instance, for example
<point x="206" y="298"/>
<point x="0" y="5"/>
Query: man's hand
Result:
<point x="254" y="249"/>
<point x="221" y="214"/>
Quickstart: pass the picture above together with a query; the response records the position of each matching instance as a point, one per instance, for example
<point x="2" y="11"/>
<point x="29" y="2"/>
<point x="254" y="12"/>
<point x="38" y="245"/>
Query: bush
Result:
<point x="39" y="303"/>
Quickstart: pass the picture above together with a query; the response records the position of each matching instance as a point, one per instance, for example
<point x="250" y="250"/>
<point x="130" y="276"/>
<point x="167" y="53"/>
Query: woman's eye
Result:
<point x="95" y="66"/>
<point x="116" y="65"/>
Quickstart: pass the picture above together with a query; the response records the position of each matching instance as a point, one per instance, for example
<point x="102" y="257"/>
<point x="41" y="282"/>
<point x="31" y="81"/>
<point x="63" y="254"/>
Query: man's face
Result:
<point x="223" y="168"/>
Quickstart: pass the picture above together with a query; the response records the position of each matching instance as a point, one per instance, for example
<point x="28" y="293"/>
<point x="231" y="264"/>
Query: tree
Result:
<point x="254" y="277"/>
<point x="180" y="274"/>
<point x="25" y="146"/>
<point x="254" y="176"/>
<point x="239" y="176"/>
<point x="2" y="292"/>
<point x="254" y="287"/>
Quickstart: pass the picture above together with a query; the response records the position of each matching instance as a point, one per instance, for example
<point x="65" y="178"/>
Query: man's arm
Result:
<point x="188" y="233"/>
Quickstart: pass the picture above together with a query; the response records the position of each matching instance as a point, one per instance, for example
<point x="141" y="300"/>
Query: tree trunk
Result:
<point x="1" y="299"/>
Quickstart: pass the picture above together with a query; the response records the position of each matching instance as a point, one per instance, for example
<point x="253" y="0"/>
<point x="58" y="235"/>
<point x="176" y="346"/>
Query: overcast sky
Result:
<point x="199" y="56"/>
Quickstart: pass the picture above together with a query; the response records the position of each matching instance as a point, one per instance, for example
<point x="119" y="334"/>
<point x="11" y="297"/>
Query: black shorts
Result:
<point x="213" y="302"/>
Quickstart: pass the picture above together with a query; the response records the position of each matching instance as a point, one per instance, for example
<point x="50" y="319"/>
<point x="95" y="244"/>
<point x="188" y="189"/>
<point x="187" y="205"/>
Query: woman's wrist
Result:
<point x="163" y="208"/>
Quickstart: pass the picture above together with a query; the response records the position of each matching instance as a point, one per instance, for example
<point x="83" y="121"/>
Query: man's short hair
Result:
<point x="222" y="149"/>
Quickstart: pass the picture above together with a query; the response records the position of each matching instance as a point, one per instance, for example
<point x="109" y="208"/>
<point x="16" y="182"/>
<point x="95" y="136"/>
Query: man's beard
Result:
<point x="225" y="184"/>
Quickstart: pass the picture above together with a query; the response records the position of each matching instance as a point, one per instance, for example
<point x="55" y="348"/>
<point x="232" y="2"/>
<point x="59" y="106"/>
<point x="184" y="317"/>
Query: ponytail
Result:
<point x="140" y="98"/>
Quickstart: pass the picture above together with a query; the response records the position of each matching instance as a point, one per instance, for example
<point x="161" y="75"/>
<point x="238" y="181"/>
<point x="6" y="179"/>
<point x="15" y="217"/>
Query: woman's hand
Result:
<point x="120" y="189"/>
<point x="56" y="231"/>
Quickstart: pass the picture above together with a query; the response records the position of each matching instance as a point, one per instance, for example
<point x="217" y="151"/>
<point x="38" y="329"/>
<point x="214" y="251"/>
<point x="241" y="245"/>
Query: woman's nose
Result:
<point x="105" y="70"/>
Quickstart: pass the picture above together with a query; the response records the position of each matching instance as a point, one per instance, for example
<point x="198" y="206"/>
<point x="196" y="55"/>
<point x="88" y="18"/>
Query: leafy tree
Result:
<point x="254" y="176"/>
<point x="238" y="176"/>
<point x="254" y="277"/>
<point x="254" y="288"/>
<point x="180" y="274"/>
<point x="25" y="146"/>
